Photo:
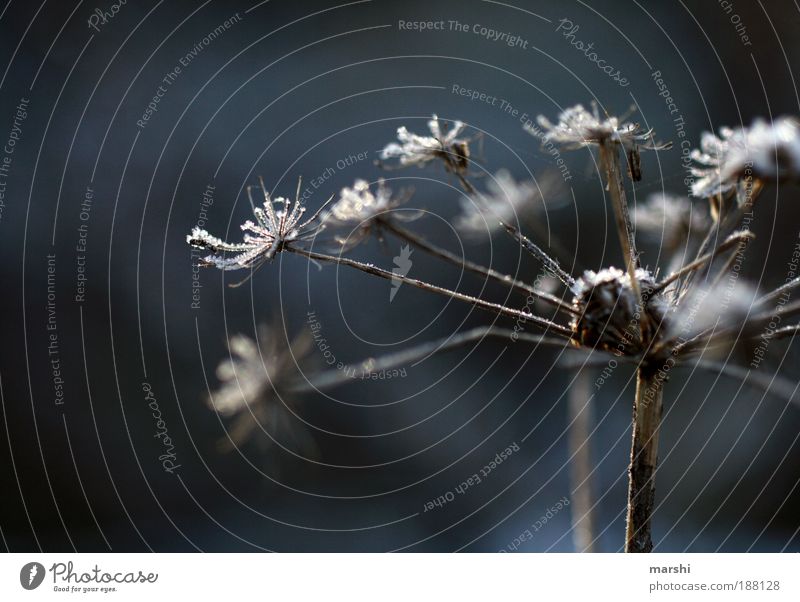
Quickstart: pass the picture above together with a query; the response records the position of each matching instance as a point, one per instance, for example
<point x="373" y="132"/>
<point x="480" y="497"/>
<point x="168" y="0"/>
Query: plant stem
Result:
<point x="724" y="223"/>
<point x="609" y="159"/>
<point x="554" y="248"/>
<point x="473" y="267"/>
<point x="580" y="416"/>
<point x="756" y="325"/>
<point x="465" y="184"/>
<point x="477" y="302"/>
<point x="540" y="232"/>
<point x="548" y="262"/>
<point x="644" y="456"/>
<point x="733" y="240"/>
<point x="778" y="292"/>
<point x="329" y="379"/>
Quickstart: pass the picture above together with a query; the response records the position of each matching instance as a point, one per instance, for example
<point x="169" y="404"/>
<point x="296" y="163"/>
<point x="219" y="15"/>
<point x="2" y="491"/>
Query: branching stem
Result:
<point x="473" y="267"/>
<point x="477" y="302"/>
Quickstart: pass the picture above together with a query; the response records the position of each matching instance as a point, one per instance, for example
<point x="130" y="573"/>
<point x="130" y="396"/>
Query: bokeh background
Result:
<point x="288" y="90"/>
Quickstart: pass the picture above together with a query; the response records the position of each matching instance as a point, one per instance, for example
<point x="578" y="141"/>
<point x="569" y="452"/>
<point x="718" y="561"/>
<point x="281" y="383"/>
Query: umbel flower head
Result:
<point x="766" y="151"/>
<point x="505" y="200"/>
<point x="277" y="224"/>
<point x="255" y="383"/>
<point x="443" y="144"/>
<point x="609" y="318"/>
<point x="365" y="210"/>
<point x="577" y="128"/>
<point x="671" y="219"/>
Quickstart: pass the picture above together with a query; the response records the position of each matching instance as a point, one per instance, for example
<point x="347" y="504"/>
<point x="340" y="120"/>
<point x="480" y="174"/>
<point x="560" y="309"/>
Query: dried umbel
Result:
<point x="712" y="307"/>
<point x="256" y="384"/>
<point x="443" y="144"/>
<point x="577" y="127"/>
<point x="365" y="211"/>
<point x="278" y="222"/>
<point x="639" y="317"/>
<point x="671" y="220"/>
<point x="611" y="317"/>
<point x="506" y="201"/>
<point x="766" y="151"/>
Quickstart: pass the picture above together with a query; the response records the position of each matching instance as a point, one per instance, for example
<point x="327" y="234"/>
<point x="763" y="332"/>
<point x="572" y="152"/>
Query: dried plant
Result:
<point x="507" y="201"/>
<point x="631" y="314"/>
<point x="769" y="150"/>
<point x="443" y="144"/>
<point x="277" y="224"/>
<point x="366" y="213"/>
<point x="256" y="387"/>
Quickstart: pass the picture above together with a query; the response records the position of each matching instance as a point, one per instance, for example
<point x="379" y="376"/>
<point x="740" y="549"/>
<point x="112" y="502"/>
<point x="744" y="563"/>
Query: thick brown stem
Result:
<point x="644" y="456"/>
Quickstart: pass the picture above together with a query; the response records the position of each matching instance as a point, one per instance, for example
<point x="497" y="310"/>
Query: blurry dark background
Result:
<point x="289" y="89"/>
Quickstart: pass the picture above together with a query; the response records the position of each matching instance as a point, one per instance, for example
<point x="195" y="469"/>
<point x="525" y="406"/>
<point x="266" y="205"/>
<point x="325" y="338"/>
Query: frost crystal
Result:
<point x="277" y="224"/>
<point x="577" y="127"/>
<point x="767" y="151"/>
<point x="609" y="316"/>
<point x="443" y="143"/>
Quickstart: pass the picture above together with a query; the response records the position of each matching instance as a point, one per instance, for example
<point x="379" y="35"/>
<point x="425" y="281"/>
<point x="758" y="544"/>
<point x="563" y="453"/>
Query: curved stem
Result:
<point x="473" y="267"/>
<point x="334" y="378"/>
<point x="773" y="384"/>
<point x="477" y="302"/>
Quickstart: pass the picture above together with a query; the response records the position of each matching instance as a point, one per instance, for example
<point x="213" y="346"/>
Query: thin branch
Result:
<point x="771" y="296"/>
<point x="785" y="331"/>
<point x="775" y="385"/>
<point x="549" y="263"/>
<point x="473" y="267"/>
<point x="334" y="378"/>
<point x="725" y="223"/>
<point x="487" y="305"/>
<point x="465" y="184"/>
<point x="754" y="327"/>
<point x="725" y="269"/>
<point x="733" y="239"/>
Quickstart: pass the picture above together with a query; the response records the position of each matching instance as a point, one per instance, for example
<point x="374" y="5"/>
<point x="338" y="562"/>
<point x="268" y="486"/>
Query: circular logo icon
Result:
<point x="31" y="575"/>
